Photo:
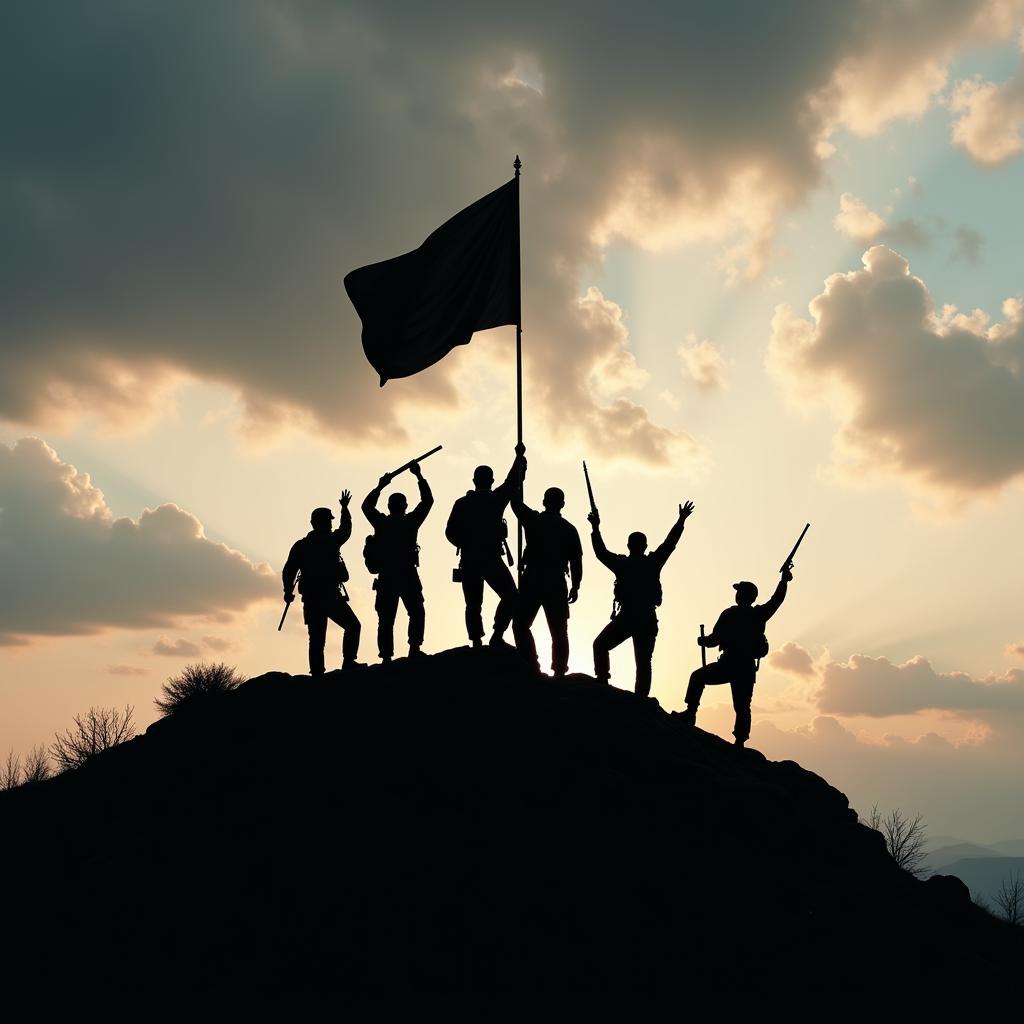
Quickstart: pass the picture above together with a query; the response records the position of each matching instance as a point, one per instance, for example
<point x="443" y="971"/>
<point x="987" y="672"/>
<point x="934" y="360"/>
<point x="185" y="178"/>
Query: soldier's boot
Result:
<point x="350" y="665"/>
<point x="415" y="652"/>
<point x="687" y="717"/>
<point x="738" y="743"/>
<point x="478" y="641"/>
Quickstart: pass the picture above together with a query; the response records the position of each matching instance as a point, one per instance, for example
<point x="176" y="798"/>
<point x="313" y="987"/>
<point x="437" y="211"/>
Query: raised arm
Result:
<point x="426" y="502"/>
<point x="510" y="486"/>
<point x="344" y="530"/>
<point x="369" y="505"/>
<point x="668" y="545"/>
<point x="604" y="556"/>
<point x="772" y="605"/>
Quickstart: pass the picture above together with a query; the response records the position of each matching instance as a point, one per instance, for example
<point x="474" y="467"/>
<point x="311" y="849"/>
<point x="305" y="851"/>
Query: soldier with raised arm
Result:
<point x="553" y="552"/>
<point x="637" y="596"/>
<point x="476" y="527"/>
<point x="393" y="554"/>
<point x="316" y="560"/>
<point x="739" y="634"/>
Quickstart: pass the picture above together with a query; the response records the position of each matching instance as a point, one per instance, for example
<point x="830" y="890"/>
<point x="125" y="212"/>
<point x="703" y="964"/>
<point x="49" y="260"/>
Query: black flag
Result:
<point x="465" y="277"/>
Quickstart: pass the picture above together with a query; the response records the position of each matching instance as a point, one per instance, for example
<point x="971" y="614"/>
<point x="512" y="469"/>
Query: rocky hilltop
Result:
<point x="455" y="823"/>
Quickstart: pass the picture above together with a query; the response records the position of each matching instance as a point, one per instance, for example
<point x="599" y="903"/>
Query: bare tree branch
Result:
<point x="197" y="683"/>
<point x="98" y="729"/>
<point x="1010" y="899"/>
<point x="905" y="837"/>
<point x="37" y="766"/>
<point x="10" y="771"/>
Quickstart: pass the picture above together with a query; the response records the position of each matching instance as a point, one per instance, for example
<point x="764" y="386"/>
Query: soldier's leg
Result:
<point x="473" y="592"/>
<point x="386" y="605"/>
<point x="556" y="611"/>
<point x="315" y="618"/>
<point x="607" y="640"/>
<point x="412" y="598"/>
<point x="711" y="674"/>
<point x="742" y="695"/>
<point x="499" y="579"/>
<point x="644" y="639"/>
<point x="341" y="612"/>
<point x="529" y="605"/>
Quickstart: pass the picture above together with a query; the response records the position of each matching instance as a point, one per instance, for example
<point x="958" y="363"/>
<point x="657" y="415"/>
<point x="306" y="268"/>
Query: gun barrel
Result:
<point x="792" y="554"/>
<point x="703" y="650"/>
<point x="590" y="490"/>
<point x="287" y="605"/>
<point x="425" y="455"/>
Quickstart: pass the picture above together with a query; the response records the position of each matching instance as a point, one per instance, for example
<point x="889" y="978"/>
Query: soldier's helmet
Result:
<point x="746" y="592"/>
<point x="321" y="517"/>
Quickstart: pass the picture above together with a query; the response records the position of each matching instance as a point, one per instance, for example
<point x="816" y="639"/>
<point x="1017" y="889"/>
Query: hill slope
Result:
<point x="458" y="823"/>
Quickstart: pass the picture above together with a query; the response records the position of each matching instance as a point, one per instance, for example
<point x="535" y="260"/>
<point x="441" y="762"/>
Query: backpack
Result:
<point x="761" y="647"/>
<point x="371" y="554"/>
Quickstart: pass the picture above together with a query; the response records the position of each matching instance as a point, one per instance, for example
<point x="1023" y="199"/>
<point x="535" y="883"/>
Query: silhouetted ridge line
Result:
<point x="456" y="822"/>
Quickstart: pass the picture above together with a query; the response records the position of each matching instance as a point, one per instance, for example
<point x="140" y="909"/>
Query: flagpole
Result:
<point x="519" y="367"/>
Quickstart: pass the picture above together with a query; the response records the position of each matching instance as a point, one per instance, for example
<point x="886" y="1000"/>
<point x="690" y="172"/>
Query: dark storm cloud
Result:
<point x="70" y="568"/>
<point x="182" y="186"/>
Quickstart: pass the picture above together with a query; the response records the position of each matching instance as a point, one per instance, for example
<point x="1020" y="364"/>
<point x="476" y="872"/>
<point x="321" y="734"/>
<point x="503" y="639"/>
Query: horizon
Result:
<point x="768" y="264"/>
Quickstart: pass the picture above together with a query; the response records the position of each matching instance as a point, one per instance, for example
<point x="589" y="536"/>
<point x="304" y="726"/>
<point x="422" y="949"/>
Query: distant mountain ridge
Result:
<point x="456" y="823"/>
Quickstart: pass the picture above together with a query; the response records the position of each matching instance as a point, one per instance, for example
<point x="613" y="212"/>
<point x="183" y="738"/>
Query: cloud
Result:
<point x="861" y="224"/>
<point x="792" y="659"/>
<point x="169" y="215"/>
<point x="856" y="221"/>
<point x="968" y="245"/>
<point x="1016" y="649"/>
<point x="71" y="568"/>
<point x="703" y="364"/>
<point x="933" y="399"/>
<point x="127" y="670"/>
<point x="928" y="773"/>
<point x="877" y="687"/>
<point x="990" y="118"/>
<point x="216" y="643"/>
<point x="179" y="648"/>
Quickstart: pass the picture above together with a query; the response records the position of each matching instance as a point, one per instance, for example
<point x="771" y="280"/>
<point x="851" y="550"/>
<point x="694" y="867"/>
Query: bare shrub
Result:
<point x="1009" y="899"/>
<point x="195" y="684"/>
<point x="10" y="772"/>
<point x="37" y="766"/>
<point x="98" y="729"/>
<point x="904" y="837"/>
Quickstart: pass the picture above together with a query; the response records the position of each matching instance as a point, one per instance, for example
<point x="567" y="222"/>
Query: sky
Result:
<point x="770" y="265"/>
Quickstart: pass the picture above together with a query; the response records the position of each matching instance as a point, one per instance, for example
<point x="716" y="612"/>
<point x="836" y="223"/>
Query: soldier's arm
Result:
<point x="451" y="529"/>
<point x="774" y="603"/>
<point x="426" y="503"/>
<point x="517" y="472"/>
<point x="604" y="556"/>
<point x="714" y="638"/>
<point x="575" y="561"/>
<point x="668" y="545"/>
<point x="290" y="571"/>
<point x="344" y="530"/>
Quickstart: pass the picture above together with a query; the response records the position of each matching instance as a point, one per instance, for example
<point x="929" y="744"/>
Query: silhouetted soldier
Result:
<point x="393" y="554"/>
<point x="479" y="532"/>
<point x="739" y="632"/>
<point x="552" y="552"/>
<point x="637" y="596"/>
<point x="316" y="560"/>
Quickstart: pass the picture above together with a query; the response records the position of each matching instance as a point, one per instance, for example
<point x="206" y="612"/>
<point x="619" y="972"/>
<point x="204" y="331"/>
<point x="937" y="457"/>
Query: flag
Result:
<point x="465" y="277"/>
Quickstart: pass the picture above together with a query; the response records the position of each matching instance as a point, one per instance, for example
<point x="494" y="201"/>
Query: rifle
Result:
<point x="287" y="605"/>
<point x="703" y="649"/>
<point x="411" y="462"/>
<point x="789" y="558"/>
<point x="590" y="490"/>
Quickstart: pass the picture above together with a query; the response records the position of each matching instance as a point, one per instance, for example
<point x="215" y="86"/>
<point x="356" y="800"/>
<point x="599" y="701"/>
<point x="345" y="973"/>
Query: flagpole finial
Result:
<point x="517" y="164"/>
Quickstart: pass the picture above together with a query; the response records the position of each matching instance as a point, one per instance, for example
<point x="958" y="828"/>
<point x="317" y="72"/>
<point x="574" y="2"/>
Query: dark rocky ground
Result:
<point x="458" y="824"/>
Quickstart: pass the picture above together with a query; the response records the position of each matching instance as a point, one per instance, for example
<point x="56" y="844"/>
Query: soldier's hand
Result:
<point x="415" y="470"/>
<point x="383" y="481"/>
<point x="289" y="596"/>
<point x="520" y="449"/>
<point x="346" y="497"/>
<point x="702" y="641"/>
<point x="594" y="518"/>
<point x="787" y="573"/>
<point x="685" y="511"/>
<point x="573" y="594"/>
